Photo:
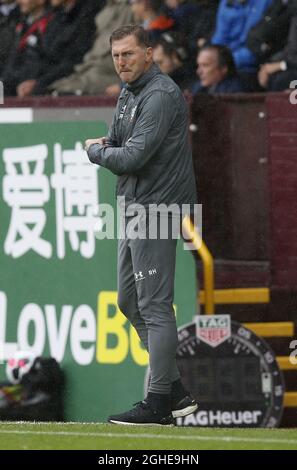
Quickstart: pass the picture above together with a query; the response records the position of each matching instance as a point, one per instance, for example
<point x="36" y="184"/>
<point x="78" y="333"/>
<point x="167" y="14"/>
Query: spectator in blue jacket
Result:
<point x="235" y="18"/>
<point x="216" y="71"/>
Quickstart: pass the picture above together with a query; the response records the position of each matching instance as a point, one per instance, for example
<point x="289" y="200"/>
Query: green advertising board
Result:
<point x="58" y="280"/>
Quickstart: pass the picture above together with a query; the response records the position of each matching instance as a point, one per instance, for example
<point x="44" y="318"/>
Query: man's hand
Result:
<point x="266" y="70"/>
<point x="89" y="142"/>
<point x="26" y="88"/>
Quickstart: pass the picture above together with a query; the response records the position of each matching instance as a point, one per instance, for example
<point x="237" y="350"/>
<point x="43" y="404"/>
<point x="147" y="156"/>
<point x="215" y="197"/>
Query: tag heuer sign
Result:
<point x="214" y="329"/>
<point x="237" y="383"/>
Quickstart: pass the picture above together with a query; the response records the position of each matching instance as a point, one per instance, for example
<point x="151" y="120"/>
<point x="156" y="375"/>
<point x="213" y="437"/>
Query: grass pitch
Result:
<point x="94" y="436"/>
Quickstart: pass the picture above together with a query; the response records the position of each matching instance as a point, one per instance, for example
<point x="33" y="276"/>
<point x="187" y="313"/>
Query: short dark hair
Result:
<point x="173" y="42"/>
<point x="139" y="32"/>
<point x="225" y="57"/>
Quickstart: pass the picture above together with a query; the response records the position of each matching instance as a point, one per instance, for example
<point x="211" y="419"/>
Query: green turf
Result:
<point x="108" y="436"/>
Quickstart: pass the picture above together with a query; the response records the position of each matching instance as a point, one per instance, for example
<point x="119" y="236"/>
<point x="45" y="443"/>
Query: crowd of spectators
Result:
<point x="62" y="47"/>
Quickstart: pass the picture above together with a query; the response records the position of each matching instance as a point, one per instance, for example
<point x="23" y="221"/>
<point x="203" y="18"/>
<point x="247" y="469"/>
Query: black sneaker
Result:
<point x="142" y="415"/>
<point x="183" y="406"/>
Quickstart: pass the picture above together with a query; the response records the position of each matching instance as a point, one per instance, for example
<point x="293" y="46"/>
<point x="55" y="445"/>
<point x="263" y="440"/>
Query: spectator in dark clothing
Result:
<point x="184" y="13"/>
<point x="22" y="62"/>
<point x="9" y="17"/>
<point x="68" y="37"/>
<point x="270" y="35"/>
<point x="95" y="74"/>
<point x="172" y="56"/>
<point x="150" y="15"/>
<point x="205" y="25"/>
<point x="277" y="74"/>
<point x="216" y="71"/>
<point x="194" y="19"/>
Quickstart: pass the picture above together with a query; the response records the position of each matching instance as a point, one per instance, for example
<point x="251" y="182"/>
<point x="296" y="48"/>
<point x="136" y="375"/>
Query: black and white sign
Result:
<point x="232" y="373"/>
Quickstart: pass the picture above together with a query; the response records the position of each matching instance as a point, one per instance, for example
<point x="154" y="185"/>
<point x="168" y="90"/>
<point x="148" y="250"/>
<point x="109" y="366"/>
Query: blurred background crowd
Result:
<point x="61" y="47"/>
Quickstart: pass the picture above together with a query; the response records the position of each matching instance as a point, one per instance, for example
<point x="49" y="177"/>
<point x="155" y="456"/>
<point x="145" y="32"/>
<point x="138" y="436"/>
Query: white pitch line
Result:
<point x="154" y="436"/>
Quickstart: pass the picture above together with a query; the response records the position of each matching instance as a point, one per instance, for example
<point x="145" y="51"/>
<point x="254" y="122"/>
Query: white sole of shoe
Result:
<point x="140" y="424"/>
<point x="185" y="411"/>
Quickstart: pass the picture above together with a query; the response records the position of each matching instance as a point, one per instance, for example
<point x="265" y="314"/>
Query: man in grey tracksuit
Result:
<point x="147" y="146"/>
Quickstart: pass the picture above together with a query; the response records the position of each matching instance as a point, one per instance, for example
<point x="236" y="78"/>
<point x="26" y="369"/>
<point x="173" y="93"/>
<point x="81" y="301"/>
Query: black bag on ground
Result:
<point x="38" y="396"/>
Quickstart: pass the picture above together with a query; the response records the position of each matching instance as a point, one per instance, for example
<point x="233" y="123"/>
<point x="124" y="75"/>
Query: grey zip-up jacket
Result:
<point x="149" y="145"/>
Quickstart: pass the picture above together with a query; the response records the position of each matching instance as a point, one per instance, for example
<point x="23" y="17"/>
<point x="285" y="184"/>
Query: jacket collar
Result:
<point x="142" y="81"/>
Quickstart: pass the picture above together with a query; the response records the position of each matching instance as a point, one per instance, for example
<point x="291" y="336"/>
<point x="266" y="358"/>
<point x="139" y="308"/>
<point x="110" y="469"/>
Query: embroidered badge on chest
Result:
<point x="122" y="112"/>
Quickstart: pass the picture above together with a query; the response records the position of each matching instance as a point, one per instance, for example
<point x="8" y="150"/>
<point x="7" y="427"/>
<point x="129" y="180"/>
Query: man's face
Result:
<point x="172" y="3"/>
<point x="138" y="8"/>
<point x="165" y="62"/>
<point x="57" y="3"/>
<point x="208" y="69"/>
<point x="29" y="6"/>
<point x="130" y="59"/>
